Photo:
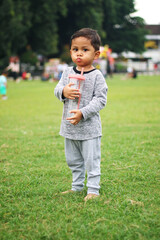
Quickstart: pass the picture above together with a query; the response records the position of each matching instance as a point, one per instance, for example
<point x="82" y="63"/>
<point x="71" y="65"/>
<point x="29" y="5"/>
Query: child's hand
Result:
<point x="69" y="92"/>
<point x="76" y="117"/>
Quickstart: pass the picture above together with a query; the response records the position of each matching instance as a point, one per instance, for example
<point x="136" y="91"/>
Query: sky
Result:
<point x="149" y="10"/>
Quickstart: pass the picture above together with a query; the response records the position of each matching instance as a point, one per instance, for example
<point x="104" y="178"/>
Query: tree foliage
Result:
<point x="43" y="36"/>
<point x="80" y="13"/>
<point x="45" y="26"/>
<point x="122" y="30"/>
<point x="14" y="25"/>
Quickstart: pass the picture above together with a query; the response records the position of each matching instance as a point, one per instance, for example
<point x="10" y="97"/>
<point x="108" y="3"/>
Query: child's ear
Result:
<point x="97" y="53"/>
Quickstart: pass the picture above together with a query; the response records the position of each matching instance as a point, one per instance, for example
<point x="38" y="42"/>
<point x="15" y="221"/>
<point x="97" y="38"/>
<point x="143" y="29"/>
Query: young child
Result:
<point x="83" y="131"/>
<point x="3" y="86"/>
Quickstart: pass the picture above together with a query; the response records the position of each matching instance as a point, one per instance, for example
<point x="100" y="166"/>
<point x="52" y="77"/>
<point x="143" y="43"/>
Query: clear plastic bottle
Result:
<point x="78" y="81"/>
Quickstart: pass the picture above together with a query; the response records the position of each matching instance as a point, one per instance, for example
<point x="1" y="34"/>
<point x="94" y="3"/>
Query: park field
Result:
<point x="34" y="171"/>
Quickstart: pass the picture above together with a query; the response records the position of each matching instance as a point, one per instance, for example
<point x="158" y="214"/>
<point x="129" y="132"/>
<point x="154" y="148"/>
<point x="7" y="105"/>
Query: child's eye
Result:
<point x="85" y="50"/>
<point x="75" y="49"/>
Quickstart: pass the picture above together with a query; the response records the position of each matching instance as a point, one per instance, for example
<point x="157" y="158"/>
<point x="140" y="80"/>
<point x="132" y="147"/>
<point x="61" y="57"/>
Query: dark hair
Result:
<point x="4" y="71"/>
<point x="90" y="34"/>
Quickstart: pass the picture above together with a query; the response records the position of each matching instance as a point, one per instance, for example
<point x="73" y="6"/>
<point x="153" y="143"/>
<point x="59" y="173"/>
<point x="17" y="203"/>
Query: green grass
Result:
<point x="34" y="170"/>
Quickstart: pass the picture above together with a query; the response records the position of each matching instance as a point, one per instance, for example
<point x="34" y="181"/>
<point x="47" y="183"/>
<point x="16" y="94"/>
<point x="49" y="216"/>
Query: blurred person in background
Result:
<point x="15" y="69"/>
<point x="3" y="85"/>
<point x="131" y="72"/>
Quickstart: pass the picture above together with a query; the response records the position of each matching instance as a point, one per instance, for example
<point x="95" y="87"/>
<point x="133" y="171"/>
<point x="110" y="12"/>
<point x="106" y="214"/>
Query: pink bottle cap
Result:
<point x="77" y="76"/>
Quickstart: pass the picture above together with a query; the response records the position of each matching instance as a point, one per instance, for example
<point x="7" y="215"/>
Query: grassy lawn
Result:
<point x="34" y="170"/>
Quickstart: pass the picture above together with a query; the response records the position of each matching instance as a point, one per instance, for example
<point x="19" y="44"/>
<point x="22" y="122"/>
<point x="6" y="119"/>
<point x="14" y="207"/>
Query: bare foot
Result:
<point x="90" y="196"/>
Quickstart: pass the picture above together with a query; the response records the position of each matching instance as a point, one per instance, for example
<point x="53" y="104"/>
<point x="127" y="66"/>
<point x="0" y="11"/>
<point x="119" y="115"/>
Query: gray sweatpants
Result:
<point x="82" y="156"/>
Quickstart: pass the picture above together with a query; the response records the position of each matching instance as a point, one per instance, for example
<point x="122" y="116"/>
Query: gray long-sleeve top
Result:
<point x="93" y="99"/>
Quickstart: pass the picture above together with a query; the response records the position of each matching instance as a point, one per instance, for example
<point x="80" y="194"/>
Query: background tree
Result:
<point x="121" y="29"/>
<point x="80" y="13"/>
<point x="45" y="26"/>
<point x="14" y="25"/>
<point x="43" y="35"/>
<point x="27" y="23"/>
<point x="111" y="18"/>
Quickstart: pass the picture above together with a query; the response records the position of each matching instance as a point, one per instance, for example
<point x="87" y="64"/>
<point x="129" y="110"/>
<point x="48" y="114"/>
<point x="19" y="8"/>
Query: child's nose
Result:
<point x="79" y="53"/>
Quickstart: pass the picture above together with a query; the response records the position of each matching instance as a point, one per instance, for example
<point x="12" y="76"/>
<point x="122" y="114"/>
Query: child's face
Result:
<point x="83" y="53"/>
